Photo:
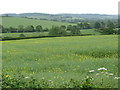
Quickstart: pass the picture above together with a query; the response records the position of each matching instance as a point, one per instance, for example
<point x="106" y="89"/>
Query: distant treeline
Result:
<point x="104" y="28"/>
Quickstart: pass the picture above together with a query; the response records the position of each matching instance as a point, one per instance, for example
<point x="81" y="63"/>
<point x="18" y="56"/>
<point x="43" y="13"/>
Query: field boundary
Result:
<point x="10" y="38"/>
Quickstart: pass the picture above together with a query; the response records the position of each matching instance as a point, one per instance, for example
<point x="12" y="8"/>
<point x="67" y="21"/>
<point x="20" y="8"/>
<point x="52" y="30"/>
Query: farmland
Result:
<point x="16" y="21"/>
<point x="61" y="61"/>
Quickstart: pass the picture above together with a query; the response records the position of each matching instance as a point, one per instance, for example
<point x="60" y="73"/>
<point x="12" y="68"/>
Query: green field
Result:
<point x="35" y="34"/>
<point x="61" y="61"/>
<point x="15" y="21"/>
<point x="89" y="31"/>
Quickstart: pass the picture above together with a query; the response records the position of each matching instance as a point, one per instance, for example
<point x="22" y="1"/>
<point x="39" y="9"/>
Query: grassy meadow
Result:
<point x="16" y="21"/>
<point x="61" y="62"/>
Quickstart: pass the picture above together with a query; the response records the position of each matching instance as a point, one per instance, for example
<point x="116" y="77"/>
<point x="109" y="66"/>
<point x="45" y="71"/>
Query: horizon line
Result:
<point x="58" y="13"/>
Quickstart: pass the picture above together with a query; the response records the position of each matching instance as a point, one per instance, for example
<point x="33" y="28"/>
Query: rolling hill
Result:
<point x="15" y="21"/>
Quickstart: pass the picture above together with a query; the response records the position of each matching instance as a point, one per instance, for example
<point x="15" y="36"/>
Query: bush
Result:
<point x="22" y="36"/>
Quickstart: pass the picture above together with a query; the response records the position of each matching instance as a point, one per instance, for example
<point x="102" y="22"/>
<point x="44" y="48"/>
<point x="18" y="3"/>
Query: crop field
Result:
<point x="61" y="62"/>
<point x="16" y="21"/>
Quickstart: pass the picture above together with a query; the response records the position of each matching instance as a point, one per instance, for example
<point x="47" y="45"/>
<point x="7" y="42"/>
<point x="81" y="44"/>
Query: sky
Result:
<point x="60" y="6"/>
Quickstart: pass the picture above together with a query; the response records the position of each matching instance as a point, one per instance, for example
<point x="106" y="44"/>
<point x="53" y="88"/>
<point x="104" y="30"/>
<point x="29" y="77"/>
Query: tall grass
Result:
<point x="62" y="58"/>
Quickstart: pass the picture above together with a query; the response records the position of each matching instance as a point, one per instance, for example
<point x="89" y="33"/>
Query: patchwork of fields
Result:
<point x="62" y="59"/>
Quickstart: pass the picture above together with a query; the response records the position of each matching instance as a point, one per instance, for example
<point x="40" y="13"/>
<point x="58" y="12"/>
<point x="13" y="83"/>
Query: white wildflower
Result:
<point x="26" y="77"/>
<point x="101" y="69"/>
<point x="92" y="71"/>
<point x="117" y="78"/>
<point x="111" y="74"/>
<point x="49" y="80"/>
<point x="97" y="74"/>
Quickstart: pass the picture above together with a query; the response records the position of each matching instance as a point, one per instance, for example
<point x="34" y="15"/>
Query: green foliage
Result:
<point x="29" y="28"/>
<point x="39" y="28"/>
<point x="107" y="31"/>
<point x="22" y="36"/>
<point x="57" y="31"/>
<point x="110" y="25"/>
<point x="21" y="28"/>
<point x="97" y="25"/>
<point x="75" y="30"/>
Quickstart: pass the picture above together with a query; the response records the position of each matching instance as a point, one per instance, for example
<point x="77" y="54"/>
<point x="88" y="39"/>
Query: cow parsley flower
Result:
<point x="117" y="78"/>
<point x="102" y="69"/>
<point x="92" y="71"/>
<point x="26" y="77"/>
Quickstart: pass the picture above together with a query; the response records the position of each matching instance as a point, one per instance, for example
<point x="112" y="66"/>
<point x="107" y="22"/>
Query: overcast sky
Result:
<point x="60" y="6"/>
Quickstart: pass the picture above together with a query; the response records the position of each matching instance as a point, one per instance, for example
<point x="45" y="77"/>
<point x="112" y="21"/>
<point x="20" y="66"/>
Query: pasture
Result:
<point x="62" y="61"/>
<point x="16" y="21"/>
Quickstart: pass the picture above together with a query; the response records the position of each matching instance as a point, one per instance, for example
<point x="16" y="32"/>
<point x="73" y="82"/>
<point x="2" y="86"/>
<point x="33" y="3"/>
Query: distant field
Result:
<point x="15" y="21"/>
<point x="58" y="61"/>
<point x="90" y="31"/>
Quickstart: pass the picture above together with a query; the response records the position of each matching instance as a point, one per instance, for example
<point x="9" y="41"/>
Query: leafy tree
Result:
<point x="20" y="28"/>
<point x="12" y="30"/>
<point x="80" y="25"/>
<point x="69" y="27"/>
<point x="86" y="25"/>
<point x="29" y="28"/>
<point x="57" y="31"/>
<point x="46" y="30"/>
<point x="75" y="30"/>
<point x="110" y="25"/>
<point x="102" y="25"/>
<point x="63" y="26"/>
<point x="39" y="28"/>
<point x="107" y="31"/>
<point x="97" y="25"/>
<point x="1" y="28"/>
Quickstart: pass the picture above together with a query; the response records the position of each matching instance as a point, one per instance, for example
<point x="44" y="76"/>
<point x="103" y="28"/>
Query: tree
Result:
<point x="1" y="28"/>
<point x="63" y="26"/>
<point x="20" y="28"/>
<point x="69" y="27"/>
<point x="97" y="25"/>
<point x="39" y="28"/>
<point x="29" y="28"/>
<point x="12" y="30"/>
<point x="110" y="25"/>
<point x="75" y="30"/>
<point x="57" y="31"/>
<point x="107" y="31"/>
<point x="80" y="25"/>
<point x="46" y="30"/>
<point x="86" y="25"/>
<point x="102" y="25"/>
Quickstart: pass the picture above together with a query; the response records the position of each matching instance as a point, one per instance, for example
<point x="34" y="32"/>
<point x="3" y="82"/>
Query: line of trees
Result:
<point x="21" y="28"/>
<point x="102" y="27"/>
<point x="105" y="28"/>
